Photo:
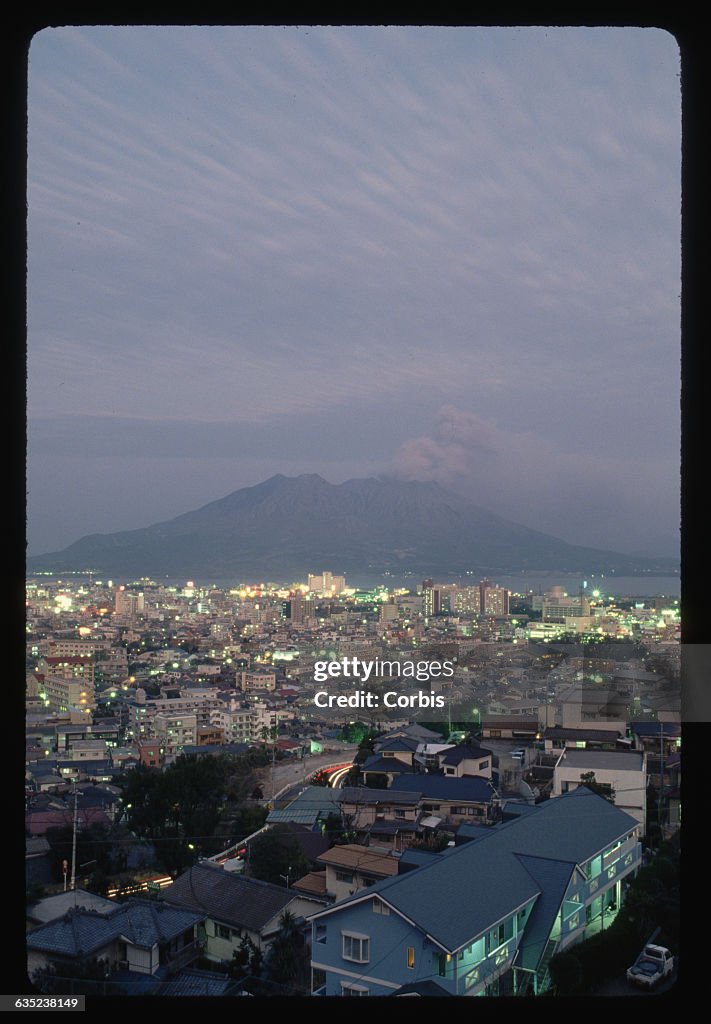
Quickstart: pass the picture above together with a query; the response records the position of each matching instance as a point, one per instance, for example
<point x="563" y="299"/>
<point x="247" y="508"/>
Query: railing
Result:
<point x="185" y="955"/>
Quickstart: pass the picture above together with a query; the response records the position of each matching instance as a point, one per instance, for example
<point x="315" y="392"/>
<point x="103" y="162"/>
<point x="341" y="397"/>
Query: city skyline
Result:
<point x="439" y="254"/>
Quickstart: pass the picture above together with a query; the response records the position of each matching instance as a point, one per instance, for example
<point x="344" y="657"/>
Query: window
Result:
<point x="320" y="933"/>
<point x="483" y="764"/>
<point x="442" y="964"/>
<point x="222" y="932"/>
<point x="380" y="908"/>
<point x="410" y="957"/>
<point x="367" y="880"/>
<point x="344" y="876"/>
<point x="348" y="989"/>
<point x="356" y="948"/>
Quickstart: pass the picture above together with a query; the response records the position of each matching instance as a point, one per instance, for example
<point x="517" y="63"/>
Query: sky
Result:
<point x="445" y="254"/>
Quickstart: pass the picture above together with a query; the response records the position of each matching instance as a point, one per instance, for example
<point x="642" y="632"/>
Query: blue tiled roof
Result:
<point x="81" y="932"/>
<point x="552" y="876"/>
<point x="462" y="894"/>
<point x="398" y="743"/>
<point x="197" y="983"/>
<point x="656" y="728"/>
<point x="376" y="763"/>
<point x="458" y="754"/>
<point x="443" y="788"/>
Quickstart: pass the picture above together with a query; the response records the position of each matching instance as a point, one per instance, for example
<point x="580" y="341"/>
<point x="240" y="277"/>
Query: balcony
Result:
<point x="175" y="961"/>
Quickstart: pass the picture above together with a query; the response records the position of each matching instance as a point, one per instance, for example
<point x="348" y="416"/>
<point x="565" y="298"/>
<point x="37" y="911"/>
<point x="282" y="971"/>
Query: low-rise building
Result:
<point x="234" y="906"/>
<point x="486" y="917"/>
<point x="622" y="773"/>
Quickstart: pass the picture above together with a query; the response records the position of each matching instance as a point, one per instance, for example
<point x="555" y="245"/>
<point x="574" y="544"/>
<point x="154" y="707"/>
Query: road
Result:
<point x="298" y="772"/>
<point x="623" y="987"/>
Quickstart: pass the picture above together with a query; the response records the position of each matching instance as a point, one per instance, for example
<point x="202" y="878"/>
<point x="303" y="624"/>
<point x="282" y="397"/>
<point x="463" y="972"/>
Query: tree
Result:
<point x="601" y="788"/>
<point x="275" y="853"/>
<point x="78" y="977"/>
<point x="289" y="958"/>
<point x="34" y="892"/>
<point x="566" y="973"/>
<point x="246" y="959"/>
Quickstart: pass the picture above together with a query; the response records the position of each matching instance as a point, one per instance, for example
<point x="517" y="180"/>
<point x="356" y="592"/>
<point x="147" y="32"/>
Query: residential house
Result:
<point x="312" y="807"/>
<point x="509" y="727"/>
<point x="466" y="760"/>
<point x="622" y="773"/>
<point x="451" y="800"/>
<point x="557" y="738"/>
<point x="51" y="908"/>
<point x="233" y="906"/>
<point x="138" y="936"/>
<point x="660" y="741"/>
<point x="486" y="917"/>
<point x="383" y="816"/>
<point x="352" y="867"/>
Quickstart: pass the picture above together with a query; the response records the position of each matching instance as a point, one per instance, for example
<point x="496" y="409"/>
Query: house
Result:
<point x="621" y="772"/>
<point x="509" y="727"/>
<point x="352" y="867"/>
<point x="233" y="905"/>
<point x="399" y="748"/>
<point x="387" y="765"/>
<point x="311" y="807"/>
<point x="51" y="908"/>
<point x="557" y="738"/>
<point x="466" y="760"/>
<point x="451" y="800"/>
<point x="660" y="741"/>
<point x="138" y="936"/>
<point x="388" y="817"/>
<point x="483" y="918"/>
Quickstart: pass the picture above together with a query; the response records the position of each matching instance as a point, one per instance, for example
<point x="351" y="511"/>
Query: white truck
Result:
<point x="652" y="964"/>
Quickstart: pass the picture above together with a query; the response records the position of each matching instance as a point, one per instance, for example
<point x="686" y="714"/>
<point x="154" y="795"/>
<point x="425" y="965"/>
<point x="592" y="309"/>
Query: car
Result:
<point x="652" y="964"/>
<point x="519" y="754"/>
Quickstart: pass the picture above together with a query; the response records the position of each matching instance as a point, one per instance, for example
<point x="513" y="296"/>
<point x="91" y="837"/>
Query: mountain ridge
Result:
<point x="295" y="525"/>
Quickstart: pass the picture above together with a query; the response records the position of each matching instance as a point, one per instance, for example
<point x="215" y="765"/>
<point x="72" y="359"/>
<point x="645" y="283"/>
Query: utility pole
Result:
<point x="274" y="732"/>
<point x="660" y="800"/>
<point x="74" y="841"/>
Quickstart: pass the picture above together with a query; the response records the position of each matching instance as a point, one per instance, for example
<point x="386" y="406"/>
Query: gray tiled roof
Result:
<point x="314" y="803"/>
<point x="82" y="932"/>
<point x="610" y="760"/>
<point x="228" y="897"/>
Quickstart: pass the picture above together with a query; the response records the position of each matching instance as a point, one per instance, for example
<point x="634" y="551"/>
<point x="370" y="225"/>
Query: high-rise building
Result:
<point x="431" y="599"/>
<point x="326" y="584"/>
<point x="493" y="600"/>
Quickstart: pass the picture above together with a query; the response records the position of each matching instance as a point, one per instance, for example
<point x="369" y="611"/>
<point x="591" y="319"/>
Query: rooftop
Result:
<point x="610" y="760"/>
<point x="509" y="866"/>
<point x="360" y="858"/>
<point x="228" y="897"/>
